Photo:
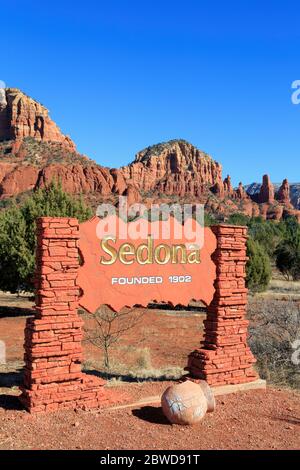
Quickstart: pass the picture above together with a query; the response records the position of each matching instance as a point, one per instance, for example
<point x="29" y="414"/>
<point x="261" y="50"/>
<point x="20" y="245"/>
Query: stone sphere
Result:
<point x="186" y="403"/>
<point x="211" y="402"/>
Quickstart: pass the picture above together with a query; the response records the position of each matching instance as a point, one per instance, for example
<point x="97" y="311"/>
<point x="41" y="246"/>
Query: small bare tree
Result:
<point x="105" y="328"/>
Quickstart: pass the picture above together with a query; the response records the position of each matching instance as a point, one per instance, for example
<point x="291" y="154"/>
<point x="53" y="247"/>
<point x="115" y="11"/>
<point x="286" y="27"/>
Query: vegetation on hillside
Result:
<point x="288" y="252"/>
<point x="38" y="153"/>
<point x="18" y="233"/>
<point x="270" y="243"/>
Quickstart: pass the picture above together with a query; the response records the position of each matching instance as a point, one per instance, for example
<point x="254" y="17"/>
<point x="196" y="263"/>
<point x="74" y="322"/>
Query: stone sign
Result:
<point x="136" y="271"/>
<point x="75" y="267"/>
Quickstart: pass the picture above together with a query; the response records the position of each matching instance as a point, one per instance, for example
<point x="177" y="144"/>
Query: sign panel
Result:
<point x="138" y="262"/>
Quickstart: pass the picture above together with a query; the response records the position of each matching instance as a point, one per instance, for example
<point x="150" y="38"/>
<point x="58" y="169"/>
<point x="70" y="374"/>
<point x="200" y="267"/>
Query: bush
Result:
<point x="209" y="219"/>
<point x="288" y="252"/>
<point x="258" y="269"/>
<point x="18" y="233"/>
<point x="16" y="255"/>
<point x="267" y="233"/>
<point x="238" y="219"/>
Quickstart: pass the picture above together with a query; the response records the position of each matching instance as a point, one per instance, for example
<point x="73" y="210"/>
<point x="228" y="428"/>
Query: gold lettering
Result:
<point x="157" y="254"/>
<point x="149" y="250"/>
<point x="147" y="254"/>
<point x="176" y="259"/>
<point x="108" y="250"/>
<point x="194" y="257"/>
<point x="125" y="250"/>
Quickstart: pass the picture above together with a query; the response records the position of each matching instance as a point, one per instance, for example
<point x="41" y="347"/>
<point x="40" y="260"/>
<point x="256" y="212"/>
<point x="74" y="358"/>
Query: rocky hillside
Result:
<point x="21" y="116"/>
<point x="174" y="168"/>
<point x="34" y="152"/>
<point x="254" y="189"/>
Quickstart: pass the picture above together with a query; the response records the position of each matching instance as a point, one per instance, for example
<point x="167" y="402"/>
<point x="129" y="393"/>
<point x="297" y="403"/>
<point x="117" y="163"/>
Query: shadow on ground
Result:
<point x="15" y="312"/>
<point x="10" y="402"/>
<point x="9" y="379"/>
<point x="289" y="419"/>
<point x="129" y="377"/>
<point x="151" y="414"/>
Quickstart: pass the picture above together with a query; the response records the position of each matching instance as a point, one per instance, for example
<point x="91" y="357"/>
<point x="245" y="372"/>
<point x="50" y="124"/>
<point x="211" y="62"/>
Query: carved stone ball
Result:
<point x="186" y="403"/>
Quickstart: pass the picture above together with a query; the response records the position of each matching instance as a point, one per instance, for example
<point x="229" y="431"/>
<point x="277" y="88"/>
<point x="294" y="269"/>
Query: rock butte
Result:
<point x="34" y="152"/>
<point x="21" y="116"/>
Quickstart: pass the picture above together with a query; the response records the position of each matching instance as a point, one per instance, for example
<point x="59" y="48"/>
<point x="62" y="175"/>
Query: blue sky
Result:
<point x="121" y="75"/>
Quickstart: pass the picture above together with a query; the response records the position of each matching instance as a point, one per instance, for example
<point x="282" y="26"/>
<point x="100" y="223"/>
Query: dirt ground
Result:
<point x="167" y="337"/>
<point x="246" y="420"/>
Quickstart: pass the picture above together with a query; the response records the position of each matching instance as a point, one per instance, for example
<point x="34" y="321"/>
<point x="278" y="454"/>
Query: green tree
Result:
<point x="267" y="233"/>
<point x="258" y="269"/>
<point x="16" y="257"/>
<point x="18" y="233"/>
<point x="209" y="219"/>
<point x="288" y="252"/>
<point x="238" y="219"/>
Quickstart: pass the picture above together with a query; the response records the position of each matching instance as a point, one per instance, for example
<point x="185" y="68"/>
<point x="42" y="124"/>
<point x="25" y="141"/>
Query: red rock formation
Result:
<point x="21" y="116"/>
<point x="283" y="194"/>
<point x="21" y="179"/>
<point x="218" y="189"/>
<point x="266" y="194"/>
<point x="5" y="169"/>
<point x="119" y="181"/>
<point x="275" y="212"/>
<point x="132" y="194"/>
<point x="228" y="189"/>
<point x="175" y="167"/>
<point x="77" y="178"/>
<point x="241" y="193"/>
<point x="38" y="153"/>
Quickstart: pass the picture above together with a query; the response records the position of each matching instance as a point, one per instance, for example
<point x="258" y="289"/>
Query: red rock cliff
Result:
<point x="21" y="116"/>
<point x="266" y="194"/>
<point x="283" y="194"/>
<point x="174" y="167"/>
<point x="34" y="152"/>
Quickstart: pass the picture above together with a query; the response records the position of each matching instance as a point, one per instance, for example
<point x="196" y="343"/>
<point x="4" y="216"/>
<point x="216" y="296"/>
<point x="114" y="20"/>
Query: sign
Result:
<point x="146" y="266"/>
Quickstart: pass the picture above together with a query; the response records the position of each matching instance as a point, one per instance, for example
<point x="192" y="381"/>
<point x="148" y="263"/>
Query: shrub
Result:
<point x="143" y="360"/>
<point x="238" y="219"/>
<point x="209" y="219"/>
<point x="267" y="233"/>
<point x="258" y="269"/>
<point x="288" y="252"/>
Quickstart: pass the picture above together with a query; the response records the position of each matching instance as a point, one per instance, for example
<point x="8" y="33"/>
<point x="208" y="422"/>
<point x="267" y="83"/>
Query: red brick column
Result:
<point x="225" y="357"/>
<point x="53" y="351"/>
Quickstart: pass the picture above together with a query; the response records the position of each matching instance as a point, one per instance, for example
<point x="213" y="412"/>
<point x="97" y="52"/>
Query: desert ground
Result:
<point x="145" y="361"/>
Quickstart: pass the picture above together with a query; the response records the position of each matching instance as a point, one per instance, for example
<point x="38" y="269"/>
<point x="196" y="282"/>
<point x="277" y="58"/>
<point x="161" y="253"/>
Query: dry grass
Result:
<point x="281" y="289"/>
<point x="274" y="328"/>
<point x="281" y="286"/>
<point x="137" y="369"/>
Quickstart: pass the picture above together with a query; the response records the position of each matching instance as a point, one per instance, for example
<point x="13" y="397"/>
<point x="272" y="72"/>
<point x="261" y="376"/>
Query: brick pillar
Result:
<point x="225" y="357"/>
<point x="53" y="350"/>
